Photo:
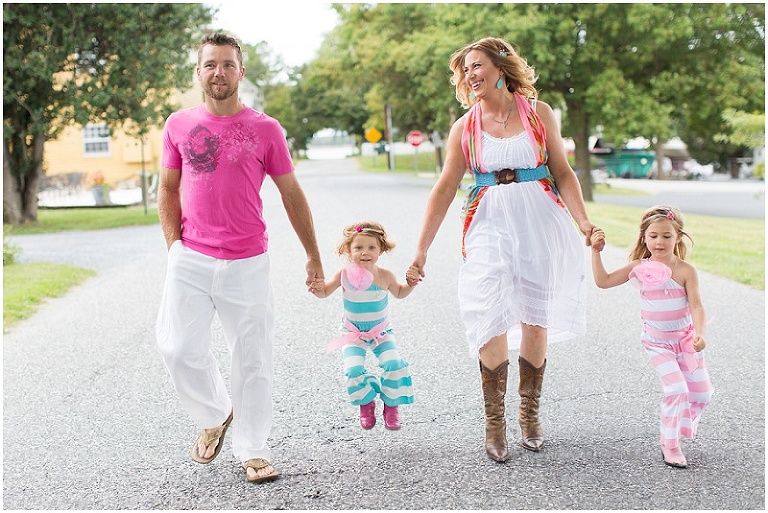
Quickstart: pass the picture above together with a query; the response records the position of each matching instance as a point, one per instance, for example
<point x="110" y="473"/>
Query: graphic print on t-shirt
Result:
<point x="201" y="150"/>
<point x="205" y="150"/>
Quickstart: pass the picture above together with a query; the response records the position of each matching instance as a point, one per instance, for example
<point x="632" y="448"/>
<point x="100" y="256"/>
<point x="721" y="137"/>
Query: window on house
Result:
<point x="97" y="141"/>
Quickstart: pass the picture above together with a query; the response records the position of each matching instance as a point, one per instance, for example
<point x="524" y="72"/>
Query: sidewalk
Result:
<point x="53" y="198"/>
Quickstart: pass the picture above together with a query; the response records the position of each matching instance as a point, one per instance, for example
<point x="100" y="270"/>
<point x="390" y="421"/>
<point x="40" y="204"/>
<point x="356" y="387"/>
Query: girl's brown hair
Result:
<point x="652" y="215"/>
<point x="370" y="228"/>
<point x="518" y="75"/>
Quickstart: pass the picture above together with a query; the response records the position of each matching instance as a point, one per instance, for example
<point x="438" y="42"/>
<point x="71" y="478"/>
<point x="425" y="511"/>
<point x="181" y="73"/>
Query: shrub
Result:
<point x="9" y="252"/>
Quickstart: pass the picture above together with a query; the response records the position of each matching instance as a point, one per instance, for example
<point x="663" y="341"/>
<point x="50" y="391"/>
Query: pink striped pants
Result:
<point x="686" y="386"/>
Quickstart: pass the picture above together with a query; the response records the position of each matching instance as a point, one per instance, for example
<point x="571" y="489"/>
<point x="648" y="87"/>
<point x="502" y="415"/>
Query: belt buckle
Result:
<point x="509" y="176"/>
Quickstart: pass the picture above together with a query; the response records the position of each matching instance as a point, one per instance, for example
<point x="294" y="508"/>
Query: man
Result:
<point x="215" y="159"/>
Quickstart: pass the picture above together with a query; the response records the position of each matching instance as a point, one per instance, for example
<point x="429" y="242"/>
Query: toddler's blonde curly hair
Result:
<point x="369" y="228"/>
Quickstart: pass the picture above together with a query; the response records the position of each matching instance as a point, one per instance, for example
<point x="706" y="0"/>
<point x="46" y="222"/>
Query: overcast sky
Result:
<point x="293" y="29"/>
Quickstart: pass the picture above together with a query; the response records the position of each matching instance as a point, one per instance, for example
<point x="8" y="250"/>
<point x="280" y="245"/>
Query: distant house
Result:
<point x="83" y="152"/>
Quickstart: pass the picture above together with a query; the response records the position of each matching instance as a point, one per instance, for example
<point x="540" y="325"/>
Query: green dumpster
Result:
<point x="629" y="164"/>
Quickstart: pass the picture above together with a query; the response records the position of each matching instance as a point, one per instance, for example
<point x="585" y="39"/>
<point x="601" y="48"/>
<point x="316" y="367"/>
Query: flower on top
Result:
<point x="355" y="277"/>
<point x="649" y="273"/>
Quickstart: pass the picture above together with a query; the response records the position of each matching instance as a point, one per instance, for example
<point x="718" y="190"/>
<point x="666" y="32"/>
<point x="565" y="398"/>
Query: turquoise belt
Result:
<point x="507" y="176"/>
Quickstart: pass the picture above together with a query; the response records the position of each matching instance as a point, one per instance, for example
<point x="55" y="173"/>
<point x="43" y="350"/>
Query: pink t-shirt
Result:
<point x="223" y="162"/>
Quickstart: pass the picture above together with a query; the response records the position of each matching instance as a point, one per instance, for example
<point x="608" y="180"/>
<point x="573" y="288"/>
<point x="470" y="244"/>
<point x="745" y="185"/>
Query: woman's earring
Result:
<point x="499" y="83"/>
<point x="471" y="95"/>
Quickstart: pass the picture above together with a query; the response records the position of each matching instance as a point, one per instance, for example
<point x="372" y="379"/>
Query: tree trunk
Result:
<point x="580" y="121"/>
<point x="20" y="188"/>
<point x="11" y="197"/>
<point x="659" y="149"/>
<point x="32" y="181"/>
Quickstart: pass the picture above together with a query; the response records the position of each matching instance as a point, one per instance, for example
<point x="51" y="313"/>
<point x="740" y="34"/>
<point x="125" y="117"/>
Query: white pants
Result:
<point x="239" y="291"/>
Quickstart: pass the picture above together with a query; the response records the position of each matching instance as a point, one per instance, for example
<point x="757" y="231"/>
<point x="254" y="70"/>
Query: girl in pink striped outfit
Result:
<point x="673" y="321"/>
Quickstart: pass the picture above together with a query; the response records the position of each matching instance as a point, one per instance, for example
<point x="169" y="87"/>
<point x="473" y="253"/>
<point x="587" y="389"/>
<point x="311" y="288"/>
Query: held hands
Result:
<point x="412" y="276"/>
<point x="316" y="286"/>
<point x="314" y="273"/>
<point x="597" y="239"/>
<point x="589" y="229"/>
<point x="416" y="270"/>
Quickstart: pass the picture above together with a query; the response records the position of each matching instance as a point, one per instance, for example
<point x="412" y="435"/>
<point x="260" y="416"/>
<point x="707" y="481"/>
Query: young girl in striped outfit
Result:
<point x="365" y="324"/>
<point x="673" y="321"/>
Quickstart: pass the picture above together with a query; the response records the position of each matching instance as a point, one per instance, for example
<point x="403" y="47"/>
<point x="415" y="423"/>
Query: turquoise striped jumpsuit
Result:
<point x="365" y="326"/>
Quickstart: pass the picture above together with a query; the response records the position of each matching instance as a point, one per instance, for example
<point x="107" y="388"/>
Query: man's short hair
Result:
<point x="219" y="39"/>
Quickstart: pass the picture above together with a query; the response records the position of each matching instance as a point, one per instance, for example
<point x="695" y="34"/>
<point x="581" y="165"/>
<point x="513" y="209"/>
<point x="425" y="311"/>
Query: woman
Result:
<point x="523" y="275"/>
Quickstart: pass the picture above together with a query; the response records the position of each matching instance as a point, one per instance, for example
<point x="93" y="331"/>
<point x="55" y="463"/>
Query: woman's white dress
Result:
<point x="524" y="257"/>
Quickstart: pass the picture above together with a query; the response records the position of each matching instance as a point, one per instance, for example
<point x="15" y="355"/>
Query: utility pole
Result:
<point x="143" y="177"/>
<point x="388" y="130"/>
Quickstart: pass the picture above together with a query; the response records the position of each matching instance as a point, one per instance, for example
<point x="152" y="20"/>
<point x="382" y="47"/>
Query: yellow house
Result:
<point x="82" y="154"/>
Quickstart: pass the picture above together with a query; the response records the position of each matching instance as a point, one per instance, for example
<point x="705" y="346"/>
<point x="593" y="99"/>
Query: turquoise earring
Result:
<point x="471" y="95"/>
<point x="499" y="83"/>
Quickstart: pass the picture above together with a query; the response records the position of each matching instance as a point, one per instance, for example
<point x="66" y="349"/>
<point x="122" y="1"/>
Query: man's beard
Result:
<point x="217" y="93"/>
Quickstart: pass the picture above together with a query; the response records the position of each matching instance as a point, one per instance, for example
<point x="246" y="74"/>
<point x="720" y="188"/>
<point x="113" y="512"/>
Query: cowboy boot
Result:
<point x="530" y="391"/>
<point x="494" y="389"/>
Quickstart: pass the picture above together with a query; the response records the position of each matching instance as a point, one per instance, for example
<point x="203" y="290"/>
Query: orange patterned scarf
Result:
<point x="471" y="145"/>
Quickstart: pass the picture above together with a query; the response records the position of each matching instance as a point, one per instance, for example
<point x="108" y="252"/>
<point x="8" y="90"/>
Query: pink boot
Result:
<point x="391" y="420"/>
<point x="368" y="415"/>
<point x="674" y="457"/>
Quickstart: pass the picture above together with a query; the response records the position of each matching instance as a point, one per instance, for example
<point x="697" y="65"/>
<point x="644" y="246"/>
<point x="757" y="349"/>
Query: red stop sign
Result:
<point x="415" y="137"/>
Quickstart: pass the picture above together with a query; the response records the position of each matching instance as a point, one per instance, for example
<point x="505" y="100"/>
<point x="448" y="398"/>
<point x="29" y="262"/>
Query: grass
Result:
<point x="57" y="220"/>
<point x="609" y="190"/>
<point x="26" y="286"/>
<point x="727" y="247"/>
<point x="424" y="162"/>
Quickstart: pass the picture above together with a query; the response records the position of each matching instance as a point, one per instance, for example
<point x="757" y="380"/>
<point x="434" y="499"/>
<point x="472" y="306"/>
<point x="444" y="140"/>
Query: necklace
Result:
<point x="504" y="123"/>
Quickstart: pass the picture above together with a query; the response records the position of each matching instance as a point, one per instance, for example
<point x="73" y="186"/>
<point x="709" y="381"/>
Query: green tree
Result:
<point x="328" y="92"/>
<point x="65" y="64"/>
<point x="651" y="70"/>
<point x="363" y="66"/>
<point x="261" y="64"/>
<point x="727" y="69"/>
<point x="284" y="102"/>
<point x="745" y="129"/>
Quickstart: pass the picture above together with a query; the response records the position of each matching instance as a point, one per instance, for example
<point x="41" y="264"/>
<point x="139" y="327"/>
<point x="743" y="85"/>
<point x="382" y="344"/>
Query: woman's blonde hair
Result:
<point x="518" y="75"/>
<point x="659" y="213"/>
<point x="370" y="228"/>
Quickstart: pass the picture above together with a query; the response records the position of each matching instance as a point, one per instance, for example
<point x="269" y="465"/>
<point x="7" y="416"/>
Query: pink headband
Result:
<point x="670" y="215"/>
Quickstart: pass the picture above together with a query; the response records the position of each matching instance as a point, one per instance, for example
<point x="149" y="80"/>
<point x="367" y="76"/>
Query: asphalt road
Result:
<point x="719" y="196"/>
<point x="91" y="421"/>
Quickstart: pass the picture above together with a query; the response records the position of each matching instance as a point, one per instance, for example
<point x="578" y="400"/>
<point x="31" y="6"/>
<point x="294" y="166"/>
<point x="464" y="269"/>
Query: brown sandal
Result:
<point x="258" y="464"/>
<point x="208" y="437"/>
